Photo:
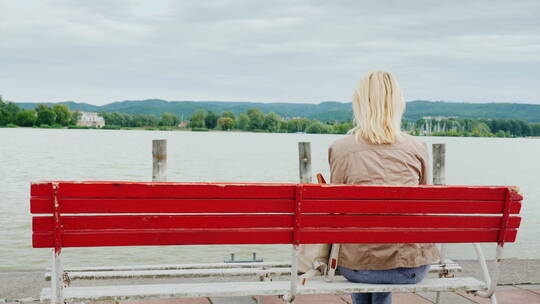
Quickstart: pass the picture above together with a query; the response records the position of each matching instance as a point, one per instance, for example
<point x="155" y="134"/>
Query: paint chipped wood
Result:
<point x="196" y="290"/>
<point x="199" y="270"/>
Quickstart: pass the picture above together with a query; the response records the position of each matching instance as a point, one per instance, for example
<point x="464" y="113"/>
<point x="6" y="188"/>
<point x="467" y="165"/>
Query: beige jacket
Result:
<point x="401" y="163"/>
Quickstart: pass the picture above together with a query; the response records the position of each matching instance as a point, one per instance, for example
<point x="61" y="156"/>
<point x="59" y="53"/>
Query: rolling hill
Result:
<point x="324" y="111"/>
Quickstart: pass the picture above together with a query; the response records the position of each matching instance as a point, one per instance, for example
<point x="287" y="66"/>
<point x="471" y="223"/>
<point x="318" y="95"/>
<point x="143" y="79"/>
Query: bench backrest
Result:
<point x="84" y="214"/>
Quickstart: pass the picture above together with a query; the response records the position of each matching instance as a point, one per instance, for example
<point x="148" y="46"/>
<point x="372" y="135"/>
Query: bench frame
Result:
<point x="59" y="278"/>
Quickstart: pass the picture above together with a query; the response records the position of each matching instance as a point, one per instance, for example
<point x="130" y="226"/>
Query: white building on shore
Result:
<point x="91" y="119"/>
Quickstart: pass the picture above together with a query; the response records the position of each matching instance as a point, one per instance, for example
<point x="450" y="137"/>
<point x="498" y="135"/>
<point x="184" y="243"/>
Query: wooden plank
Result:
<point x="178" y="273"/>
<point x="192" y="236"/>
<point x="127" y="222"/>
<point x="40" y="205"/>
<point x="164" y="291"/>
<point x="155" y="272"/>
<point x="367" y="235"/>
<point x="449" y="264"/>
<point x="42" y="188"/>
<point x="344" y="192"/>
<point x="144" y="194"/>
<point x="147" y="237"/>
<point x="406" y="221"/>
<point x="168" y="190"/>
<point x="407" y="206"/>
<point x="196" y="290"/>
<point x="341" y="286"/>
<point x="272" y="190"/>
<point x="181" y="266"/>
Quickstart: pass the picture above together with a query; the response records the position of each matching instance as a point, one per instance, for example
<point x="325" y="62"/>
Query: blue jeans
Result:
<point x="390" y="276"/>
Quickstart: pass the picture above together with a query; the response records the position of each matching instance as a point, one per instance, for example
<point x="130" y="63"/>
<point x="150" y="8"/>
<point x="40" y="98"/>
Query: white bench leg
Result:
<point x="491" y="281"/>
<point x="438" y="297"/>
<point x="289" y="298"/>
<point x="57" y="278"/>
<point x="441" y="261"/>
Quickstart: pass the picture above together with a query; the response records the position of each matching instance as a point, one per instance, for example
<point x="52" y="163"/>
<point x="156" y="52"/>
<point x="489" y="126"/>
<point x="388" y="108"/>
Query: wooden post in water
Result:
<point x="304" y="162"/>
<point x="439" y="178"/>
<point x="159" y="160"/>
<point x="439" y="164"/>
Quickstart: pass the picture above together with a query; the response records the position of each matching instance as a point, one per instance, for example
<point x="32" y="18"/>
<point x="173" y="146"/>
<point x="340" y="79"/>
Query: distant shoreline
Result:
<point x="172" y="129"/>
<point x="255" y="119"/>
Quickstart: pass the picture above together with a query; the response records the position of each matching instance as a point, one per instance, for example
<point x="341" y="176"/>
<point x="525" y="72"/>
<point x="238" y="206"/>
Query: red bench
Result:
<point x="218" y="214"/>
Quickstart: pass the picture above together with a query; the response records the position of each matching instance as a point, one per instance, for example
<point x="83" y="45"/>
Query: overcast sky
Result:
<point x="102" y="51"/>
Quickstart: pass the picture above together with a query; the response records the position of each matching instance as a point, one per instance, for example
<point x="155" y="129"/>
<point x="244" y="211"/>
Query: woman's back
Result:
<point x="404" y="162"/>
<point x="355" y="161"/>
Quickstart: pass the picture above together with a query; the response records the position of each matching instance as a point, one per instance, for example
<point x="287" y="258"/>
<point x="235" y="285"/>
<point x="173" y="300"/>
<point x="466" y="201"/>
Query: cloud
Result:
<point x="303" y="51"/>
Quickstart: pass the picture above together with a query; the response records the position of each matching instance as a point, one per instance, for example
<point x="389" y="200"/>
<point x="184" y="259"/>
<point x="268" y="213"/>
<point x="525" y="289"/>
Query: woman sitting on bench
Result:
<point x="378" y="153"/>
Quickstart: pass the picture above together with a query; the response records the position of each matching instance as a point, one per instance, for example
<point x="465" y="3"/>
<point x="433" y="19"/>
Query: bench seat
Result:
<point x="197" y="290"/>
<point x="199" y="270"/>
<point x="175" y="273"/>
<point x="177" y="266"/>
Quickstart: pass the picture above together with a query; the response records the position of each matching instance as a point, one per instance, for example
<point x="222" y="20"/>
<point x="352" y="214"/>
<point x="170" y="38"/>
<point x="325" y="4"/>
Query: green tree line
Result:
<point x="123" y="120"/>
<point x="256" y="121"/>
<point x="44" y="116"/>
<point x="59" y="116"/>
<point x="253" y="119"/>
<point x="472" y="127"/>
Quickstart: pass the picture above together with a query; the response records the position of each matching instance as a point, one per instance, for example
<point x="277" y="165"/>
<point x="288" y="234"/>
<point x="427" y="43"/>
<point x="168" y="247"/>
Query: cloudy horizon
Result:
<point x="103" y="51"/>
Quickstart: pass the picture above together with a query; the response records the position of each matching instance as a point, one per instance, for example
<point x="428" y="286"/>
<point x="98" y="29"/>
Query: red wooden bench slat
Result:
<point x="41" y="205"/>
<point x="43" y="188"/>
<point x="348" y="235"/>
<point x="246" y="190"/>
<point x="407" y="221"/>
<point x="70" y="223"/>
<point x="165" y="190"/>
<point x="468" y="193"/>
<point x="164" y="222"/>
<point x="407" y="206"/>
<point x="147" y="237"/>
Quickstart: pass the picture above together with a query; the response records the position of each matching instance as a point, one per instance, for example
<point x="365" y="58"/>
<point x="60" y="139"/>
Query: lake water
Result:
<point x="38" y="154"/>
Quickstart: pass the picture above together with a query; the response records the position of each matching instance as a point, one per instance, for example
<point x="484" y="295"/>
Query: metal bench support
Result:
<point x="490" y="280"/>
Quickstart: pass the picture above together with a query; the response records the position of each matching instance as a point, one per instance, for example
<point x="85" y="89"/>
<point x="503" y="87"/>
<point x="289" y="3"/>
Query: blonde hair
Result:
<point x="378" y="106"/>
